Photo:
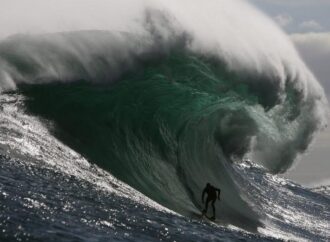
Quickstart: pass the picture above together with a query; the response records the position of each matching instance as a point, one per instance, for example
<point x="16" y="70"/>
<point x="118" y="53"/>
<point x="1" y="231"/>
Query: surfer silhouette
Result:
<point x="211" y="197"/>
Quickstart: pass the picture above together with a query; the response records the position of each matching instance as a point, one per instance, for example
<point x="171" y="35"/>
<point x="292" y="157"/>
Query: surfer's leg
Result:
<point x="206" y="205"/>
<point x="213" y="207"/>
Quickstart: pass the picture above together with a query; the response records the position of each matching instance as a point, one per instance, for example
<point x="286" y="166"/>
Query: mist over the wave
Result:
<point x="216" y="27"/>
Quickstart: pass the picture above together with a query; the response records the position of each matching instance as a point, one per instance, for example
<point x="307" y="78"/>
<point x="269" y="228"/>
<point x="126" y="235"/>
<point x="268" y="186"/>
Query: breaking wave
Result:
<point x="171" y="108"/>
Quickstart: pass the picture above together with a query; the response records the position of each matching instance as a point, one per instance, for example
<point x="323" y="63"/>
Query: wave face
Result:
<point x="164" y="111"/>
<point x="172" y="126"/>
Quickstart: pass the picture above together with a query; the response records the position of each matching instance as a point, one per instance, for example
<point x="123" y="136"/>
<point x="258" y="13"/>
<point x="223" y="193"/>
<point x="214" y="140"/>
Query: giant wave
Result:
<point x="175" y="106"/>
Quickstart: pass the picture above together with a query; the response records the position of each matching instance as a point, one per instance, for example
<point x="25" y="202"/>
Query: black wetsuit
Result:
<point x="211" y="197"/>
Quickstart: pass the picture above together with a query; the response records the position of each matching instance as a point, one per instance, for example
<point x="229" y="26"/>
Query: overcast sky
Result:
<point x="308" y="24"/>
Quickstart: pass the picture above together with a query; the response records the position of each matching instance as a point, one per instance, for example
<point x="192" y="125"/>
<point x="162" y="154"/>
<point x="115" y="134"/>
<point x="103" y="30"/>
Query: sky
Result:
<point x="307" y="22"/>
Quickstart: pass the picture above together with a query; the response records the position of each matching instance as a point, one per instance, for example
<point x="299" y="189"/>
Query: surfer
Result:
<point x="211" y="197"/>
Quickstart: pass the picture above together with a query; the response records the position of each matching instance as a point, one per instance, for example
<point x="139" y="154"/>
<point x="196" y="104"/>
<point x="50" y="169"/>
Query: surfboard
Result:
<point x="208" y="217"/>
<point x="205" y="217"/>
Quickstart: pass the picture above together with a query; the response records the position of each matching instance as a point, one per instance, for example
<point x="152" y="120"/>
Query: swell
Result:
<point x="171" y="107"/>
<point x="168" y="128"/>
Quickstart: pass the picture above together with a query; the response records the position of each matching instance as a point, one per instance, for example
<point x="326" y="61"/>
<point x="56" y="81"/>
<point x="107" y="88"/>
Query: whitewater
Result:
<point x="114" y="119"/>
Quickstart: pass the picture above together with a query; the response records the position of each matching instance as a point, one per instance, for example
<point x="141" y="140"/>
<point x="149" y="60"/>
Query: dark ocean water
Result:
<point x="39" y="203"/>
